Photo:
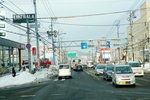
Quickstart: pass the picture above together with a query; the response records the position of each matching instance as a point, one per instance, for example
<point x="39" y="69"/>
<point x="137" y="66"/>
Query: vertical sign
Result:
<point x="34" y="51"/>
<point x="107" y="44"/>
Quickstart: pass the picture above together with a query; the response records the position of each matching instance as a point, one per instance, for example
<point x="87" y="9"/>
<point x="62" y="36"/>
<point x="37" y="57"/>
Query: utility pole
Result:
<point x="53" y="45"/>
<point x="44" y="50"/>
<point x="131" y="16"/>
<point x="29" y="48"/>
<point x="52" y="34"/>
<point x="118" y="26"/>
<point x="36" y="30"/>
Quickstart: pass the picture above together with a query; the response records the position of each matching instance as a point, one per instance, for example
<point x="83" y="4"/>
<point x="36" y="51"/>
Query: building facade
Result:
<point x="138" y="36"/>
<point x="10" y="55"/>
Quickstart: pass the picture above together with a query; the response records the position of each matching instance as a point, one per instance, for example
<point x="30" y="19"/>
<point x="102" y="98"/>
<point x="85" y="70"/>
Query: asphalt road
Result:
<point x="83" y="86"/>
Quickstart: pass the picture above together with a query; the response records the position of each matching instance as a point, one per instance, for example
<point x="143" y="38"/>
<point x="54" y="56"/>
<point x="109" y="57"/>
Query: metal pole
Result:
<point x="53" y="45"/>
<point x="36" y="30"/>
<point x="29" y="49"/>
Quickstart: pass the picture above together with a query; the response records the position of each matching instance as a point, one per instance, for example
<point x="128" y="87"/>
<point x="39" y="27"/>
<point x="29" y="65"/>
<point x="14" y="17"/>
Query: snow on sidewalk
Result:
<point x="25" y="77"/>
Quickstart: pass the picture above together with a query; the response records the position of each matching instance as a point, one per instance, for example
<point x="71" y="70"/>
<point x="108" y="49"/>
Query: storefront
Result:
<point x="10" y="55"/>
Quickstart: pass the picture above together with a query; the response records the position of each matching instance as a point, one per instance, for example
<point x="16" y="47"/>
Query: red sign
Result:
<point x="34" y="51"/>
<point x="102" y="49"/>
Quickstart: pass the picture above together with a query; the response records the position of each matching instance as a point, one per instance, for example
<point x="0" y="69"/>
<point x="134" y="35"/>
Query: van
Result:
<point x="64" y="71"/>
<point x="137" y="68"/>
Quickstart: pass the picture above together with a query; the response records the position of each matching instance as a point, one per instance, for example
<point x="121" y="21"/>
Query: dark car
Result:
<point x="107" y="73"/>
<point x="78" y="68"/>
<point x="84" y="66"/>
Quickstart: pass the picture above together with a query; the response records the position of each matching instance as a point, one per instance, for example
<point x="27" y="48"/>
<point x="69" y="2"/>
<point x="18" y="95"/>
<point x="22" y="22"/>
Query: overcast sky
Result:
<point x="61" y="8"/>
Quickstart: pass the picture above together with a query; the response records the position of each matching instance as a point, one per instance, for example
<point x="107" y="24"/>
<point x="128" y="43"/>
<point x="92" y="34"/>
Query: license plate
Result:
<point x="122" y="82"/>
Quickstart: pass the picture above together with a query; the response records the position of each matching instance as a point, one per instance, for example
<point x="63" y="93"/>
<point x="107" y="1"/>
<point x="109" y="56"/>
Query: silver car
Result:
<point x="99" y="69"/>
<point x="123" y="75"/>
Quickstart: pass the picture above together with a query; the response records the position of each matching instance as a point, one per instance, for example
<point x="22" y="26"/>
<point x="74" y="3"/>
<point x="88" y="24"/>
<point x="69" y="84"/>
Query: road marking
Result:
<point x="25" y="96"/>
<point x="56" y="94"/>
<point x="143" y="79"/>
<point x="55" y="79"/>
<point x="2" y="97"/>
<point x="63" y="79"/>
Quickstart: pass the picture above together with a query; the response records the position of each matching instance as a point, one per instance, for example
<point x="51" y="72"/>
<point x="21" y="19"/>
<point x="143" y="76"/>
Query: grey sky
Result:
<point x="48" y="8"/>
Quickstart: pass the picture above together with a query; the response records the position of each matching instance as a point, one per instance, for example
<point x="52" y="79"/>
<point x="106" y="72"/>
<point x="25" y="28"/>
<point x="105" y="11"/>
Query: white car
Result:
<point x="137" y="68"/>
<point x="123" y="75"/>
<point x="64" y="71"/>
<point x="99" y="69"/>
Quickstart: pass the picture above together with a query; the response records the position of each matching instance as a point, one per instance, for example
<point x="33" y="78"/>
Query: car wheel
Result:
<point x="70" y="77"/>
<point x="59" y="78"/>
<point x="134" y="85"/>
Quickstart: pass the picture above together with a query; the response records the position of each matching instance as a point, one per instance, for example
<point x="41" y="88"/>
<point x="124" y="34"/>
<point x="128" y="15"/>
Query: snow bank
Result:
<point x="147" y="68"/>
<point x="25" y="77"/>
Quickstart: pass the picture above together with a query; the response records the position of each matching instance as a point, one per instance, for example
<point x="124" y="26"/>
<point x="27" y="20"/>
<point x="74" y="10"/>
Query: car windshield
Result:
<point x="100" y="67"/>
<point x="110" y="68"/>
<point x="135" y="64"/>
<point x="64" y="67"/>
<point x="123" y="70"/>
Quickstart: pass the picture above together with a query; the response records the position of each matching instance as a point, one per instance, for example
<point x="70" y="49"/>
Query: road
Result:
<point x="83" y="86"/>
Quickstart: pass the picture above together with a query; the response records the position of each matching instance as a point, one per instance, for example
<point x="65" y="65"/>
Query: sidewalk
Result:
<point x="24" y="77"/>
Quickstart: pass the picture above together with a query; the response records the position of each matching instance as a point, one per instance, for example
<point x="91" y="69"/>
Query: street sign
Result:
<point x="28" y="46"/>
<point x="84" y="45"/>
<point x="34" y="25"/>
<point x="107" y="44"/>
<point x="71" y="54"/>
<point x="34" y="51"/>
<point x="23" y="18"/>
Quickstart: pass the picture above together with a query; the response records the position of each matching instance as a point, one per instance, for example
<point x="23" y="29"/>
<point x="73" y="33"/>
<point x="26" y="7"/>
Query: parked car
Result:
<point x="64" y="71"/>
<point x="45" y="62"/>
<point x="137" y="68"/>
<point x="99" y="69"/>
<point x="107" y="73"/>
<point x="123" y="75"/>
<point x="78" y="68"/>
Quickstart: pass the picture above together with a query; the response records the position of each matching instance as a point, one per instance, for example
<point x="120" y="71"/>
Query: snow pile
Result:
<point x="25" y="77"/>
<point x="146" y="67"/>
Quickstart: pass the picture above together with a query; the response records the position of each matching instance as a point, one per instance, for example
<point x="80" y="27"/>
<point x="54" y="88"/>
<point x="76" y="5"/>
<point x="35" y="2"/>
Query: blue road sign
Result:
<point x="84" y="45"/>
<point x="28" y="45"/>
<point x="107" y="44"/>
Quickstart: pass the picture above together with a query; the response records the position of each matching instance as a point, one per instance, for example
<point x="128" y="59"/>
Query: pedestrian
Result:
<point x="13" y="72"/>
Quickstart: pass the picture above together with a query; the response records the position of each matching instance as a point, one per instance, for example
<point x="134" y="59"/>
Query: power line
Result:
<point x="16" y="6"/>
<point x="16" y="25"/>
<point x="91" y="25"/>
<point x="99" y="14"/>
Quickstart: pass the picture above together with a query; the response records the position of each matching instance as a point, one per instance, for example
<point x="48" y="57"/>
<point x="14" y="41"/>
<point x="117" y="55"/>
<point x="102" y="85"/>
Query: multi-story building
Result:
<point x="138" y="35"/>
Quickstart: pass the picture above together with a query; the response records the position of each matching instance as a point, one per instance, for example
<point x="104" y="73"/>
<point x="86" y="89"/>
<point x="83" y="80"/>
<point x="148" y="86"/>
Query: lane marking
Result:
<point x="25" y="96"/>
<point x="56" y="94"/>
<point x="143" y="79"/>
<point x="55" y="79"/>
